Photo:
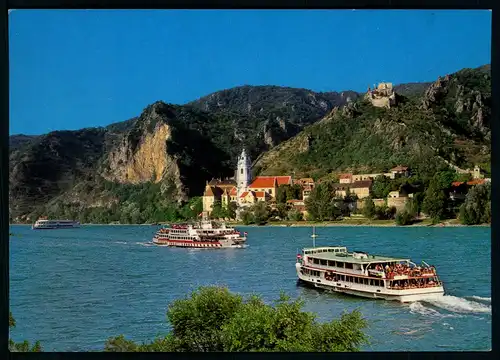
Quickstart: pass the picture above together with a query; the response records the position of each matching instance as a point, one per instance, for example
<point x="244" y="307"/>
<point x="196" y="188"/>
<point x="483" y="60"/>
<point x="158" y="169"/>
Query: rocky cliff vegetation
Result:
<point x="154" y="162"/>
<point x="449" y="123"/>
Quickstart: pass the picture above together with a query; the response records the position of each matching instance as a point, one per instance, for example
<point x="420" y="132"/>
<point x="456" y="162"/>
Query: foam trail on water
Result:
<point x="480" y="298"/>
<point x="419" y="308"/>
<point x="144" y="243"/>
<point x="460" y="305"/>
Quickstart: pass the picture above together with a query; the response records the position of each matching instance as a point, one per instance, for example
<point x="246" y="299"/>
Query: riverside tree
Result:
<point x="368" y="208"/>
<point x="320" y="204"/>
<point x="477" y="206"/>
<point x="435" y="199"/>
<point x="213" y="319"/>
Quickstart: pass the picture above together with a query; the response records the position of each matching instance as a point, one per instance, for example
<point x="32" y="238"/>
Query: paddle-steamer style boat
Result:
<point x="203" y="235"/>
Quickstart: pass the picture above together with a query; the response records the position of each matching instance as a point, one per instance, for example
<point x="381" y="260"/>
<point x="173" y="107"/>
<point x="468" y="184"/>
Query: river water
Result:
<point x="72" y="289"/>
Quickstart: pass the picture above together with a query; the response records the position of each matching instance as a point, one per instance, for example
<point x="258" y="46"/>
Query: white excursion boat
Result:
<point x="44" y="224"/>
<point x="371" y="276"/>
<point x="204" y="235"/>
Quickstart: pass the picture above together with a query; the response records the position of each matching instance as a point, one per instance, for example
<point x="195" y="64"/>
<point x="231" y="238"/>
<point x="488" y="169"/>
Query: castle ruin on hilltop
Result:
<point x="382" y="96"/>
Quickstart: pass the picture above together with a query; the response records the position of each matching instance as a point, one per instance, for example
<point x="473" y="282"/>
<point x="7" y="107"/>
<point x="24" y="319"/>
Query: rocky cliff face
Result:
<point x="268" y="115"/>
<point x="465" y="98"/>
<point x="52" y="164"/>
<point x="136" y="160"/>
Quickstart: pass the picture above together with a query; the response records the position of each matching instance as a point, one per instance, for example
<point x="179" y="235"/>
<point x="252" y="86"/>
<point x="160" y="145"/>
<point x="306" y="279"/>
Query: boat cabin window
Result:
<point x="348" y="265"/>
<point x="323" y="262"/>
<point x="331" y="263"/>
<point x="340" y="264"/>
<point x="316" y="261"/>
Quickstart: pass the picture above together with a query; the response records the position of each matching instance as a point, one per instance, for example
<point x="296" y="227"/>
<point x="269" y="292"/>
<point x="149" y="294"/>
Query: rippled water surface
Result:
<point x="72" y="289"/>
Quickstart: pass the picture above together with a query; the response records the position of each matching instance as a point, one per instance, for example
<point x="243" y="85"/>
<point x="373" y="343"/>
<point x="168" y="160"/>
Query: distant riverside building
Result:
<point x="398" y="171"/>
<point x="245" y="191"/>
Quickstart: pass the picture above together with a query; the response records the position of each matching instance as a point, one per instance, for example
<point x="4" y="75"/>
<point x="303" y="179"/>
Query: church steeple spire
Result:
<point x="243" y="173"/>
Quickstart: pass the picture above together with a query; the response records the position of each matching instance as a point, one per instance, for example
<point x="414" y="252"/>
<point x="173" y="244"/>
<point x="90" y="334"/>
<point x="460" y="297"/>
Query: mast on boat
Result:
<point x="314" y="236"/>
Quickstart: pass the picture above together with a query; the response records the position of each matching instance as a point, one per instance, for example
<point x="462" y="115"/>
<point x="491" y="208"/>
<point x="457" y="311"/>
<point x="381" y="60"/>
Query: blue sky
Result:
<point x="74" y="69"/>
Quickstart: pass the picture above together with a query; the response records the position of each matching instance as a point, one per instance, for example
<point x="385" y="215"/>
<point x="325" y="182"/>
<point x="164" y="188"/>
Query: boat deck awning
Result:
<point x="343" y="257"/>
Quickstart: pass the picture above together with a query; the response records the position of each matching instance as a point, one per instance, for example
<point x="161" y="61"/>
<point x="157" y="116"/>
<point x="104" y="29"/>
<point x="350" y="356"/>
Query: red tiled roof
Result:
<point x="457" y="183"/>
<point x="268" y="181"/>
<point x="345" y="176"/>
<point x="244" y="194"/>
<point x="476" y="182"/>
<point x="233" y="192"/>
<point x="293" y="201"/>
<point x="260" y="194"/>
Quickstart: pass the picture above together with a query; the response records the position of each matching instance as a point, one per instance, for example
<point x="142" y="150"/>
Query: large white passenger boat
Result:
<point x="44" y="224"/>
<point x="203" y="235"/>
<point x="371" y="276"/>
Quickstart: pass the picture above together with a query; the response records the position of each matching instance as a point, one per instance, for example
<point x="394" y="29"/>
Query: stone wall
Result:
<point x="399" y="203"/>
<point x="361" y="203"/>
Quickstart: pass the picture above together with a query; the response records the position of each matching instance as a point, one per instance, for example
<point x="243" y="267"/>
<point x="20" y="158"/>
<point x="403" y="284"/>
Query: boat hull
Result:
<point x="54" y="227"/>
<point x="372" y="292"/>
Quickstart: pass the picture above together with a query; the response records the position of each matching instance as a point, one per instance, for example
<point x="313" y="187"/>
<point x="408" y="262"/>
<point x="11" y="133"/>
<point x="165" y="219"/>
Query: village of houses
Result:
<point x="245" y="191"/>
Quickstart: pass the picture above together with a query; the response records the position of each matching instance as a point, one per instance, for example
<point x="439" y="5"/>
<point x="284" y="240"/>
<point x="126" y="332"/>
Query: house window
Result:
<point x="271" y="191"/>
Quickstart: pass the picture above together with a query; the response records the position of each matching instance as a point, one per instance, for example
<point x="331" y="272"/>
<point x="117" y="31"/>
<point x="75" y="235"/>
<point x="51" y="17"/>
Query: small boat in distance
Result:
<point x="371" y="276"/>
<point x="45" y="224"/>
<point x="204" y="235"/>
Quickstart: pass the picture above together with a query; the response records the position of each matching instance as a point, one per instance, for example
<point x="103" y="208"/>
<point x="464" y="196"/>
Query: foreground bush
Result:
<point x="213" y="319"/>
<point x="25" y="345"/>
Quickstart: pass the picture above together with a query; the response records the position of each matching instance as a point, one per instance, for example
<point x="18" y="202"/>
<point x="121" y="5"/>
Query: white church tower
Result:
<point x="243" y="173"/>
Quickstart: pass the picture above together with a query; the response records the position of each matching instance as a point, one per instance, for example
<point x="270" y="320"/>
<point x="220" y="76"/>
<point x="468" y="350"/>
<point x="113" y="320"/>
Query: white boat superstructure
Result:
<point x="370" y="276"/>
<point x="205" y="234"/>
<point x="44" y="224"/>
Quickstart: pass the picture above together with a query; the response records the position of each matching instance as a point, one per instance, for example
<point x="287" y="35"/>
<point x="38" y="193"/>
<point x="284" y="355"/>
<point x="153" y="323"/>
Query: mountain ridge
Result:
<point x="179" y="147"/>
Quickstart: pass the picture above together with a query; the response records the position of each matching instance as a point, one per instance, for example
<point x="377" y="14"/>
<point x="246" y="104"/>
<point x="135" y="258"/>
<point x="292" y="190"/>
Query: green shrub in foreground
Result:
<point x="213" y="319"/>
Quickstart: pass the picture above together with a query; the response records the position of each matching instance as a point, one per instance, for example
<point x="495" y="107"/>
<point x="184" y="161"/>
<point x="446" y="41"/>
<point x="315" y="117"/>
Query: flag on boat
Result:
<point x="245" y="233"/>
<point x="299" y="256"/>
